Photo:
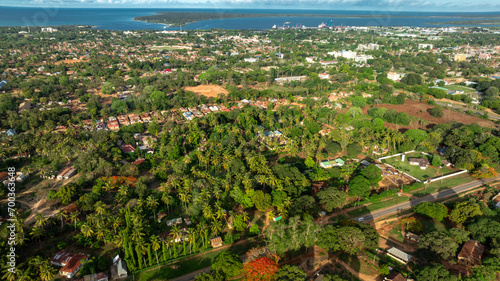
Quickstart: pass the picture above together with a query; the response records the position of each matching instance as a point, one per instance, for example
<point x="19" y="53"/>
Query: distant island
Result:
<point x="183" y="18"/>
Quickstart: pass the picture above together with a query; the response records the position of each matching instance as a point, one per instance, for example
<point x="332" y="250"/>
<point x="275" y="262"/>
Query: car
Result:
<point x="360" y="219"/>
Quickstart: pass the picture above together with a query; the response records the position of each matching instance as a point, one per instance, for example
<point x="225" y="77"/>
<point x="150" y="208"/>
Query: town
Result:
<point x="329" y="153"/>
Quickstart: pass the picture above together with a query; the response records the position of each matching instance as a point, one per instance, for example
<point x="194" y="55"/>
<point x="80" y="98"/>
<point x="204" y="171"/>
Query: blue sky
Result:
<point x="379" y="5"/>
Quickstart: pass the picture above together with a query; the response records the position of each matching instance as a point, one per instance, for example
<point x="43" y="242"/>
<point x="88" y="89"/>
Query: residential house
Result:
<point x="460" y="57"/>
<point x="123" y="120"/>
<point x="118" y="269"/>
<point x="128" y="148"/>
<point x="145" y="117"/>
<point x="412" y="237"/>
<point x="66" y="173"/>
<point x="425" y="46"/>
<point x="252" y="60"/>
<point x="484" y="56"/>
<point x="134" y="118"/>
<point x="421" y="162"/>
<point x="396" y="77"/>
<point x="324" y="76"/>
<point x="95" y="277"/>
<point x="25" y="106"/>
<point x="10" y="132"/>
<point x="216" y="242"/>
<point x="283" y="80"/>
<point x="71" y="263"/>
<point x="87" y="124"/>
<point x="332" y="163"/>
<point x="395" y="276"/>
<point x="471" y="253"/>
<point x="113" y="125"/>
<point x="399" y="255"/>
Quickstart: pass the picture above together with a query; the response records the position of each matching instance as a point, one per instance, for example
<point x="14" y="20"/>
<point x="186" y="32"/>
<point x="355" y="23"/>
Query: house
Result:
<point x="3" y="83"/>
<point x="445" y="163"/>
<point x="123" y="120"/>
<point x="71" y="263"/>
<point x="395" y="276"/>
<point x="318" y="186"/>
<point x="11" y="132"/>
<point x="66" y="173"/>
<point x="471" y="253"/>
<point x="21" y="177"/>
<point x="482" y="56"/>
<point x="394" y="76"/>
<point x="399" y="255"/>
<point x="252" y="60"/>
<point x="425" y="46"/>
<point x="118" y="269"/>
<point x="128" y="148"/>
<point x="412" y="237"/>
<point x="25" y="106"/>
<point x="113" y="125"/>
<point x="95" y="277"/>
<point x="134" y="118"/>
<point x="421" y="162"/>
<point x="283" y="80"/>
<point x="145" y="117"/>
<point x="332" y="163"/>
<point x="324" y="76"/>
<point x="216" y="242"/>
<point x="459" y="57"/>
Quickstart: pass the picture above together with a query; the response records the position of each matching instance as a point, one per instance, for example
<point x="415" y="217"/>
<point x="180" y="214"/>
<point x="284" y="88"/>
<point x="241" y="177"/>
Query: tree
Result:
<point x="351" y="239"/>
<point x="459" y="235"/>
<point x="353" y="150"/>
<point x="436" y="272"/>
<point x="205" y="277"/>
<point x="438" y="243"/>
<point x="384" y="270"/>
<point x="107" y="88"/>
<point x="373" y="174"/>
<point x="226" y="265"/>
<point x="437" y="211"/>
<point x="309" y="162"/>
<point x="412" y="79"/>
<point x="354" y="111"/>
<point x="436" y="160"/>
<point x="332" y="198"/>
<point x="436" y="112"/>
<point x="261" y="269"/>
<point x="359" y="186"/>
<point x="261" y="200"/>
<point x="290" y="273"/>
<point x="464" y="211"/>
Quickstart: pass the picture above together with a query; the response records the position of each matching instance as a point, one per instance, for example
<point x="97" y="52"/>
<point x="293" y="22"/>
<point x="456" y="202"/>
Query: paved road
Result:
<point x="490" y="115"/>
<point x="434" y="196"/>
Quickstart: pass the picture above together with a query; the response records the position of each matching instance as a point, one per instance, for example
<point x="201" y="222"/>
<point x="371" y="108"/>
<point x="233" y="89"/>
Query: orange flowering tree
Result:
<point x="261" y="269"/>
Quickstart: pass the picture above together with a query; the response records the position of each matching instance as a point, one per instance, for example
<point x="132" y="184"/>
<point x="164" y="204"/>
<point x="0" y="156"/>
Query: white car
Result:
<point x="360" y="219"/>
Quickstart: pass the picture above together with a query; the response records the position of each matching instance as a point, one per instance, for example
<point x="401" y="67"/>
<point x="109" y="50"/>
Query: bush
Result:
<point x="254" y="230"/>
<point x="436" y="112"/>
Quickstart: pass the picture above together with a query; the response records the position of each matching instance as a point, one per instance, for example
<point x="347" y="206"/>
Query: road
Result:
<point x="431" y="197"/>
<point x="490" y="115"/>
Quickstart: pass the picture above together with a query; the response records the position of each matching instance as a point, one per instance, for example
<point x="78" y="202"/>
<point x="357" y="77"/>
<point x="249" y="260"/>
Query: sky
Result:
<point x="378" y="5"/>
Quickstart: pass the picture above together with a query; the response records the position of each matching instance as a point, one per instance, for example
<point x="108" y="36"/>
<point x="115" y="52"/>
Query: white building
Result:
<point x="252" y="60"/>
<point x="425" y="46"/>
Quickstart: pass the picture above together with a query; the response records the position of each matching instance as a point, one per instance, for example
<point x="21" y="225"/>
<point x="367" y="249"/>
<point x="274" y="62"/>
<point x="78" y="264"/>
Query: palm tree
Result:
<point x="192" y="239"/>
<point x="8" y="274"/>
<point x="100" y="207"/>
<point x="47" y="272"/>
<point x="23" y="275"/>
<point x="40" y="220"/>
<point x="155" y="243"/>
<point x="167" y="199"/>
<point x="152" y="203"/>
<point x="61" y="215"/>
<point x="38" y="232"/>
<point x="86" y="230"/>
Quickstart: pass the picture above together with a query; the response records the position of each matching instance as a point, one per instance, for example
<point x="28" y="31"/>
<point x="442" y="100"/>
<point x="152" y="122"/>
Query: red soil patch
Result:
<point x="210" y="91"/>
<point x="69" y="61"/>
<point x="420" y="110"/>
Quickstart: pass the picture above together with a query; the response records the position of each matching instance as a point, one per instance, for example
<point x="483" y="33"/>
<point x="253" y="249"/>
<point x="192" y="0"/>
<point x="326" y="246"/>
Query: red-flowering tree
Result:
<point x="261" y="269"/>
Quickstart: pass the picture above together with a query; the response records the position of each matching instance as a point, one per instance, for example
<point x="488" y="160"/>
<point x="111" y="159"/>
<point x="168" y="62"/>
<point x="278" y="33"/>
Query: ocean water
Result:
<point x="122" y="19"/>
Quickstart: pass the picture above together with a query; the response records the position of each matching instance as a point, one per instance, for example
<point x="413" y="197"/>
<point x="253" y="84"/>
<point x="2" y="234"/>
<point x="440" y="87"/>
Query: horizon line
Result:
<point x="246" y="8"/>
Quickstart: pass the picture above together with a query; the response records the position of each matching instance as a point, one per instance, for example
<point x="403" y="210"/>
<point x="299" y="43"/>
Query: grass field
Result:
<point x="443" y="184"/>
<point x="378" y="205"/>
<point x="185" y="266"/>
<point x="465" y="89"/>
<point x="414" y="170"/>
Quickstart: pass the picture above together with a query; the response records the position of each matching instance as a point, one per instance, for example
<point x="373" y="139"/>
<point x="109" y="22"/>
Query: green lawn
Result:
<point x="443" y="184"/>
<point x="465" y="89"/>
<point x="378" y="205"/>
<point x="185" y="266"/>
<point x="414" y="170"/>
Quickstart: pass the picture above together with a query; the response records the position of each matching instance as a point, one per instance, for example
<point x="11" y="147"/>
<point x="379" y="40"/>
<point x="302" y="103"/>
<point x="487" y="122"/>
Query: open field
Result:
<point x="420" y="110"/>
<point x="466" y="90"/>
<point x="170" y="48"/>
<point x="69" y="61"/>
<point x="210" y="91"/>
<point x="414" y="170"/>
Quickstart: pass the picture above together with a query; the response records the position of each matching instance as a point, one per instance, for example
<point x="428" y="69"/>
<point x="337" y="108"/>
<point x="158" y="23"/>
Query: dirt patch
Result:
<point x="210" y="91"/>
<point x="420" y="110"/>
<point x="70" y="61"/>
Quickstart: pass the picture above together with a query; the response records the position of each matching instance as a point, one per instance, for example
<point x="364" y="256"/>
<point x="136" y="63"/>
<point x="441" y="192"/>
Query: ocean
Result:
<point x="122" y="19"/>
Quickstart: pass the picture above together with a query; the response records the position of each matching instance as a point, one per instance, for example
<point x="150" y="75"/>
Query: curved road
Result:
<point x="432" y="197"/>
